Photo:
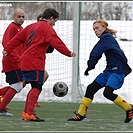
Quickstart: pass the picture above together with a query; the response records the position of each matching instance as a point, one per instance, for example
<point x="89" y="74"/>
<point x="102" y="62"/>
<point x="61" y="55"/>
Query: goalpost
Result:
<point x="76" y="39"/>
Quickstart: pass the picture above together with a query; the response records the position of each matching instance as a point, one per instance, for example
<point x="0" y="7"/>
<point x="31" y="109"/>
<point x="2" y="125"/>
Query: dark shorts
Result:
<point x="37" y="76"/>
<point x="14" y="76"/>
<point x="113" y="80"/>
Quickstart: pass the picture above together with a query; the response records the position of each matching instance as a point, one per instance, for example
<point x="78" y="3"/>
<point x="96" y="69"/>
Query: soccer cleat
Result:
<point x="5" y="113"/>
<point x="23" y="116"/>
<point x="77" y="117"/>
<point x="37" y="104"/>
<point x="129" y="115"/>
<point x="32" y="118"/>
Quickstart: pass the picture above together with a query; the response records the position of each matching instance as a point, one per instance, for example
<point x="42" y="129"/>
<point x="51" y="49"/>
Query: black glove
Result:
<point x="86" y="72"/>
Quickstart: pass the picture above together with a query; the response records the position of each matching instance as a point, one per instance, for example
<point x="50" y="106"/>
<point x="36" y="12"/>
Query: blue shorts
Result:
<point x="113" y="80"/>
<point x="37" y="76"/>
<point x="14" y="76"/>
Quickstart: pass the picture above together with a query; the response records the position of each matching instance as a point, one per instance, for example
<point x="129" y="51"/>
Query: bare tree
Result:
<point x="90" y="10"/>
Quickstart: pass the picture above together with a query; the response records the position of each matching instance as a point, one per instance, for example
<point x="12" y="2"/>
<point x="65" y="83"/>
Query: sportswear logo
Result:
<point x="114" y="68"/>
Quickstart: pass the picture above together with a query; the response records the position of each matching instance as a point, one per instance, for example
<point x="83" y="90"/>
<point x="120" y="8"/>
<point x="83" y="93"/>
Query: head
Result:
<point x="51" y="16"/>
<point x="39" y="17"/>
<point x="99" y="26"/>
<point x="19" y="16"/>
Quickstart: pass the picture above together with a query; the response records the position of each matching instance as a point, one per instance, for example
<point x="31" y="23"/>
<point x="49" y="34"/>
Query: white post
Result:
<point x="75" y="49"/>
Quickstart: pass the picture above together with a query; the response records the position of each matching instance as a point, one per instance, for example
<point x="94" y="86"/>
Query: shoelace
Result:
<point x="130" y="114"/>
<point x="76" y="117"/>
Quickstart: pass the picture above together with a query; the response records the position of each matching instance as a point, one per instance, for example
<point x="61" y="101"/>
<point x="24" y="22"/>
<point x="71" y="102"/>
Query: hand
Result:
<point x="86" y="72"/>
<point x="72" y="54"/>
<point x="4" y="53"/>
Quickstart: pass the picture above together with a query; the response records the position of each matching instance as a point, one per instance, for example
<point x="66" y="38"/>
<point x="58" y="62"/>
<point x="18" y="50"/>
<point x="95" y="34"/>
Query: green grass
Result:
<point x="100" y="117"/>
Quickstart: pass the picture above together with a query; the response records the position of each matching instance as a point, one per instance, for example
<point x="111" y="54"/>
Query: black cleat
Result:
<point x="37" y="119"/>
<point x="77" y="117"/>
<point x="129" y="115"/>
<point x="33" y="118"/>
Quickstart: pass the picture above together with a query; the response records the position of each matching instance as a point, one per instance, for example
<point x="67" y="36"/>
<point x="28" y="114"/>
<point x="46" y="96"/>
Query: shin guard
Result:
<point x="84" y="106"/>
<point x="122" y="103"/>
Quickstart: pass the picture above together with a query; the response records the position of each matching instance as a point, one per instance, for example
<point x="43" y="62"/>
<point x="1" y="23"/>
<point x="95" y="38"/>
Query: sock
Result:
<point x="84" y="106"/>
<point x="122" y="103"/>
<point x="7" y="98"/>
<point x="26" y="102"/>
<point x="32" y="99"/>
<point x="4" y="90"/>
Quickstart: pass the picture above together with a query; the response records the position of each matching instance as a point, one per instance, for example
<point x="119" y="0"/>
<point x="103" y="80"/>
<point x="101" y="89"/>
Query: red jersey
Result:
<point x="36" y="37"/>
<point x="11" y="62"/>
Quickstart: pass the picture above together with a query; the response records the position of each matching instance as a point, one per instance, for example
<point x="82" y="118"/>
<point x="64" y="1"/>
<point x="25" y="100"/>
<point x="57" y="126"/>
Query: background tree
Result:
<point x="90" y="10"/>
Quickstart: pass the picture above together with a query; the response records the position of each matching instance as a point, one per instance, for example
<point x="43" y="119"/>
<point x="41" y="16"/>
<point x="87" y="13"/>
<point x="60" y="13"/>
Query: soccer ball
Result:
<point x="60" y="89"/>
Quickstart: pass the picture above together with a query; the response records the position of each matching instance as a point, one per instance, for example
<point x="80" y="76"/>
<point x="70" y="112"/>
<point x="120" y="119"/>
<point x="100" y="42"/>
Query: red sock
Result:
<point x="32" y="99"/>
<point x="7" y="98"/>
<point x="4" y="90"/>
<point x="26" y="103"/>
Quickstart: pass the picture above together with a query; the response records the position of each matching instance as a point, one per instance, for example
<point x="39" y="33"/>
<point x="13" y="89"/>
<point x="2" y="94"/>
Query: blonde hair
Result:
<point x="105" y="24"/>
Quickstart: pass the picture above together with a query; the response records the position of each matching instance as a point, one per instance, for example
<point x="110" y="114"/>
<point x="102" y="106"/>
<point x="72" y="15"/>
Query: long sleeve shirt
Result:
<point x="11" y="62"/>
<point x="36" y="37"/>
<point x="116" y="60"/>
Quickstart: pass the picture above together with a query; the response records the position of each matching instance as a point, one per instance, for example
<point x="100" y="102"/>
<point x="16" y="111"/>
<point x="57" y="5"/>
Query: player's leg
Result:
<point x="1" y="99"/>
<point x="14" y="79"/>
<point x="86" y="101"/>
<point x="2" y="93"/>
<point x="45" y="78"/>
<point x="97" y="84"/>
<point x="4" y="90"/>
<point x="118" y="80"/>
<point x="36" y="82"/>
<point x="46" y="75"/>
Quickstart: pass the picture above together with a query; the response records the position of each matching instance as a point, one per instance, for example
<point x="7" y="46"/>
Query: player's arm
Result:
<point x="54" y="40"/>
<point x="14" y="42"/>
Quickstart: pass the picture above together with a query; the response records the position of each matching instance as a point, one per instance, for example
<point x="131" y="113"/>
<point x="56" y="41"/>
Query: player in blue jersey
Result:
<point x="112" y="77"/>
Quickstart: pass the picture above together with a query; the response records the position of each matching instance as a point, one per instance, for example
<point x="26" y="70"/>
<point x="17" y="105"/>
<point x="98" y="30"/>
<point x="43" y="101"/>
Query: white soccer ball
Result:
<point x="60" y="89"/>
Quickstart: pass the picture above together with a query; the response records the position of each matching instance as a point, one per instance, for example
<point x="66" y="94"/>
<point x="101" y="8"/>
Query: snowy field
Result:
<point x="59" y="67"/>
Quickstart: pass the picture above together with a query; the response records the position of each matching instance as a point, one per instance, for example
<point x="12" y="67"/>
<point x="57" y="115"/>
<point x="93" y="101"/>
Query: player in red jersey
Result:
<point x="49" y="50"/>
<point x="10" y="32"/>
<point x="36" y="37"/>
<point x="11" y="66"/>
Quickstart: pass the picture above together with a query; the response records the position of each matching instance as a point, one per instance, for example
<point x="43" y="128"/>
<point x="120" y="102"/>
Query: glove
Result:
<point x="86" y="72"/>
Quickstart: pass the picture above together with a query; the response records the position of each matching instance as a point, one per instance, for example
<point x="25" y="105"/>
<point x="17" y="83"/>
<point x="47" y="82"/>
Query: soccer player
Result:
<point x="10" y="32"/>
<point x="49" y="50"/>
<point x="39" y="17"/>
<point x="10" y="64"/>
<point x="112" y="77"/>
<point x="36" y="37"/>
